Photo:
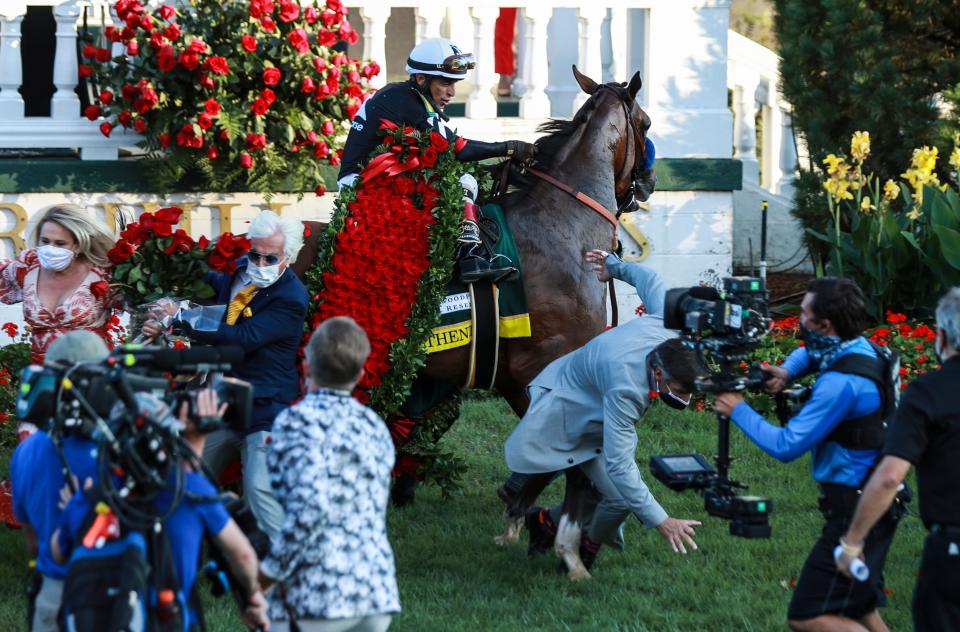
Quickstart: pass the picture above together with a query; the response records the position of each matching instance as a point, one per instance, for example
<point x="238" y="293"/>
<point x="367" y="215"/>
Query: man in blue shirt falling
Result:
<point x="842" y="426"/>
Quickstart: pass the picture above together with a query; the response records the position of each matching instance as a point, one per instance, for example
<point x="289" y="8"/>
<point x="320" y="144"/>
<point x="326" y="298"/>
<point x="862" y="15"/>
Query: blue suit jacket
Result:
<point x="269" y="337"/>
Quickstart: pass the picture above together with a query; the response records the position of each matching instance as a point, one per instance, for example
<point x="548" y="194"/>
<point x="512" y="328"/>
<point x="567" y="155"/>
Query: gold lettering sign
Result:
<point x="16" y="233"/>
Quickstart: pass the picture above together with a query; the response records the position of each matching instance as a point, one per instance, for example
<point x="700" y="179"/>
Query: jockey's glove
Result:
<point x="521" y="151"/>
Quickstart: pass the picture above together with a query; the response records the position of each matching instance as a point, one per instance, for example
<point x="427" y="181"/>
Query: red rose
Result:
<point x="256" y="141"/>
<point x="128" y="92"/>
<point x="333" y="73"/>
<point x="203" y="242"/>
<point x="89" y="51"/>
<point x="260" y="107"/>
<point x="320" y="190"/>
<point x="268" y="24"/>
<point x="92" y="112"/>
<point x="124" y="118"/>
<point x="312" y="136"/>
<point x="190" y="61"/>
<point x="186" y="137"/>
<point x="438" y="142"/>
<point x="197" y="47"/>
<point x="249" y="43"/>
<point x="329" y="18"/>
<point x="319" y="64"/>
<point x="181" y="242"/>
<point x="170" y="214"/>
<point x="321" y="149"/>
<point x="212" y="152"/>
<point x="328" y="128"/>
<point x="289" y="11"/>
<point x="310" y="15"/>
<point x="120" y="253"/>
<point x="133" y="49"/>
<point x="246" y="160"/>
<point x="172" y="32"/>
<point x="165" y="58"/>
<point x="157" y="40"/>
<point x="205" y="81"/>
<point x="225" y="136"/>
<point x="218" y="65"/>
<point x="352" y="108"/>
<point x="211" y="107"/>
<point x="205" y="120"/>
<point x="106" y="128"/>
<point x="268" y="95"/>
<point x="166" y="12"/>
<point x="353" y="76"/>
<point x="371" y="70"/>
<point x="308" y="85"/>
<point x="140" y="124"/>
<point x="164" y="140"/>
<point x="99" y="289"/>
<point x="146" y="23"/>
<point x="227" y="245"/>
<point x="271" y="76"/>
<point x="299" y="40"/>
<point x="103" y="55"/>
<point x="106" y="97"/>
<point x="429" y="157"/>
<point x="216" y="261"/>
<point x="111" y="34"/>
<point x="85" y="70"/>
<point x="347" y="33"/>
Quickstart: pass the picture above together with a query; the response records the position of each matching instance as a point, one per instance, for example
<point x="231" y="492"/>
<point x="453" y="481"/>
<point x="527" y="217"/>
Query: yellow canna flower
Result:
<point x="925" y="159"/>
<point x="955" y="158"/>
<point x="915" y="213"/>
<point x="860" y="146"/>
<point x="891" y="190"/>
<point x="866" y="206"/>
<point x="833" y="163"/>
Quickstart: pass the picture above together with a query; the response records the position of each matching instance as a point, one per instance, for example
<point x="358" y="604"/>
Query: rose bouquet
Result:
<point x="239" y="91"/>
<point x="152" y="260"/>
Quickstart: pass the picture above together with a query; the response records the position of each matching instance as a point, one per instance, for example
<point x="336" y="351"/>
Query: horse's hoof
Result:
<point x="505" y="540"/>
<point x="579" y="574"/>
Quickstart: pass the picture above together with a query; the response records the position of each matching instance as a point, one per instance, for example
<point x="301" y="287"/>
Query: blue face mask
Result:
<point x="819" y="346"/>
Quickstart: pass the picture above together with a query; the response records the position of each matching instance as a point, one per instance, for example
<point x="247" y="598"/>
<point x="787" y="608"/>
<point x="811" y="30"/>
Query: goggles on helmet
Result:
<point x="454" y="64"/>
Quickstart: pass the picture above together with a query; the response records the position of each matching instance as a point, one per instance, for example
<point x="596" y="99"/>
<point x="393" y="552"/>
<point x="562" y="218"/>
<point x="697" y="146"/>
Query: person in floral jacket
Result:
<point x="62" y="279"/>
<point x="330" y="463"/>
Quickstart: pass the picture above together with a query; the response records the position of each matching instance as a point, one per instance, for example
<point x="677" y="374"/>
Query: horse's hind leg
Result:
<point x="517" y="504"/>
<point x="576" y="505"/>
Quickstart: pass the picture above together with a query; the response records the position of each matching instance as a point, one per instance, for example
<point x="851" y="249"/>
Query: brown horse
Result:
<point x="600" y="153"/>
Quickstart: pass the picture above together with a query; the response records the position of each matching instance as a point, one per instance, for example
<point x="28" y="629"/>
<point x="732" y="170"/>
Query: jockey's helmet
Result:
<point x="439" y="57"/>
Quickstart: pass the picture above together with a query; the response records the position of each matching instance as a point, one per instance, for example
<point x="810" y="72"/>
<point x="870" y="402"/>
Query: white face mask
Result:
<point x="264" y="276"/>
<point x="55" y="258"/>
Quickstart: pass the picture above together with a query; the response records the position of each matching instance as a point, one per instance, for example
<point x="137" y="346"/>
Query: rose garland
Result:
<point x="386" y="259"/>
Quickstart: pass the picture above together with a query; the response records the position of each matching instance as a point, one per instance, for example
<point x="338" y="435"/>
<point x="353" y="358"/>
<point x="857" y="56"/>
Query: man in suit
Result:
<point x="266" y="309"/>
<point x="583" y="408"/>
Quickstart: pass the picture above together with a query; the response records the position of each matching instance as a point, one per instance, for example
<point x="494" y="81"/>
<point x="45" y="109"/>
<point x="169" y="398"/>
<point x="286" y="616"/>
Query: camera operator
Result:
<point x="198" y="513"/>
<point x="925" y="433"/>
<point x="38" y="477"/>
<point x="833" y="316"/>
<point x="583" y="410"/>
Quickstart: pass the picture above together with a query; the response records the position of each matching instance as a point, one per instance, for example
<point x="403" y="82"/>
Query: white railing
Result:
<point x="678" y="46"/>
<point x="769" y="163"/>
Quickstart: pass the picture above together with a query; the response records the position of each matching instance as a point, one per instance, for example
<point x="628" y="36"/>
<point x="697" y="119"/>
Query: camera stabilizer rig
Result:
<point x="725" y="328"/>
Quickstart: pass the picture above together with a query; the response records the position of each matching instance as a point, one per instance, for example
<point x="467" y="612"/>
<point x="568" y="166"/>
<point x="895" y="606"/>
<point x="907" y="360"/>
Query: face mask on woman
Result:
<point x="55" y="258"/>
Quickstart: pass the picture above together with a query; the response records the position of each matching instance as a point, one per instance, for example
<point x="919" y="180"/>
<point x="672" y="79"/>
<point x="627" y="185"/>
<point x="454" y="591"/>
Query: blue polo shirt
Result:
<point x="185" y="527"/>
<point x="37" y="475"/>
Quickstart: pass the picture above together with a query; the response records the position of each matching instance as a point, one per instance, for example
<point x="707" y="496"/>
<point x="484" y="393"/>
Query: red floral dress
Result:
<point x="86" y="308"/>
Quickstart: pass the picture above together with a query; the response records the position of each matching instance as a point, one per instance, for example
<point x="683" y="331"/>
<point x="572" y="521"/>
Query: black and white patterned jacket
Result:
<point x="330" y="461"/>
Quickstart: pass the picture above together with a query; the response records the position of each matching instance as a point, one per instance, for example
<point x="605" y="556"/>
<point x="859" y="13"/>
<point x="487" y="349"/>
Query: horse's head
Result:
<point x="632" y="156"/>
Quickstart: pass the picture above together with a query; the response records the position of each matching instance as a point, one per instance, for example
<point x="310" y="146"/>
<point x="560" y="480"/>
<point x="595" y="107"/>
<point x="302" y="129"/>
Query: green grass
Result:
<point x="452" y="576"/>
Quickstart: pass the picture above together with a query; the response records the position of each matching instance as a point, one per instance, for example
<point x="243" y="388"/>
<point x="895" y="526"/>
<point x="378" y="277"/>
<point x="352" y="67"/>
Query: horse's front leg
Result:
<point x="577" y="502"/>
<point x="517" y="504"/>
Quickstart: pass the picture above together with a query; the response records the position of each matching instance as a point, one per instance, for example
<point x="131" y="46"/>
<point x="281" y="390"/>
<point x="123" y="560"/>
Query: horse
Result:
<point x="599" y="153"/>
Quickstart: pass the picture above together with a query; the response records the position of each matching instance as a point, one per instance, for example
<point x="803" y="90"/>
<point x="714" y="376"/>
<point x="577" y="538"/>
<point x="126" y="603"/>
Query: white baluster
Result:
<point x="746" y="137"/>
<point x="788" y="158"/>
<point x="11" y="73"/>
<point x="374" y="39"/>
<point x="591" y="19"/>
<point x="534" y="104"/>
<point x="481" y="103"/>
<point x="619" y="45"/>
<point x="65" y="103"/>
<point x="429" y="18"/>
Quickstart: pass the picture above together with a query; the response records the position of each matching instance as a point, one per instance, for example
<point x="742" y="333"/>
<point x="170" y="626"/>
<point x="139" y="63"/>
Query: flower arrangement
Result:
<point x="13" y="358"/>
<point x="237" y="91"/>
<point x="153" y="260"/>
<point x="385" y="260"/>
<point x="886" y="235"/>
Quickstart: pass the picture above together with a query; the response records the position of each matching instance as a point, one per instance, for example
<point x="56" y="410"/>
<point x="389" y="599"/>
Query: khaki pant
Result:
<point x="47" y="606"/>
<point x="370" y="623"/>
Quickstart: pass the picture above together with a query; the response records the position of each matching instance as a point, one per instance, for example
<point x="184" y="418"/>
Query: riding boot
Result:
<point x="542" y="530"/>
<point x="473" y="262"/>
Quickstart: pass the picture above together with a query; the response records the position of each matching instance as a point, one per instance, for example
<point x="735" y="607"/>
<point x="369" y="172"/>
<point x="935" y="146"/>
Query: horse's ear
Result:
<point x="587" y="84"/>
<point x="634" y="87"/>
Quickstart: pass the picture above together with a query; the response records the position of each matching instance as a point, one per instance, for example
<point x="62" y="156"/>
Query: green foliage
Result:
<point x="877" y="64"/>
<point x="13" y="358"/>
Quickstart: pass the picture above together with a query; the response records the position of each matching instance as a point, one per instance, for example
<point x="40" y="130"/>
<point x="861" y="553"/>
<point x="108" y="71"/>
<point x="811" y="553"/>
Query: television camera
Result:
<point x="723" y="329"/>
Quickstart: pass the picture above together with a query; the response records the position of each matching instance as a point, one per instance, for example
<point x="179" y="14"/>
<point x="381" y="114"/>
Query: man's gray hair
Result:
<point x="948" y="317"/>
<point x="336" y="352"/>
<point x="268" y="224"/>
<point x="77" y="346"/>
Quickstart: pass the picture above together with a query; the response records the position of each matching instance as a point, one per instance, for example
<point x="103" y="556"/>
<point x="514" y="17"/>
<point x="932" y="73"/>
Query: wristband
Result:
<point x="848" y="549"/>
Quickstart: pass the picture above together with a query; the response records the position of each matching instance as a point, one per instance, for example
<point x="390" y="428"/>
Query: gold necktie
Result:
<point x="239" y="302"/>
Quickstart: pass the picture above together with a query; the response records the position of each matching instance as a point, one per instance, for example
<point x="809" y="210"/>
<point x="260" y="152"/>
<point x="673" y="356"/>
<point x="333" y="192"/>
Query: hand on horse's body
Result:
<point x="598" y="261"/>
<point x="676" y="531"/>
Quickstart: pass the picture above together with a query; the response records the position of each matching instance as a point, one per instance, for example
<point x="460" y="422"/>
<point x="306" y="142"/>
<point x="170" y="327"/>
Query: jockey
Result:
<point x="435" y="66"/>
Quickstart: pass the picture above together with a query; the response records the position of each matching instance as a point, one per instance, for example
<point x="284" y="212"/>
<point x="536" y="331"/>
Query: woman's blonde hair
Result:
<point x="93" y="239"/>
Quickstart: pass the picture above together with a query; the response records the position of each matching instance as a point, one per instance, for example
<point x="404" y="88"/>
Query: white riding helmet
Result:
<point x="438" y="56"/>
